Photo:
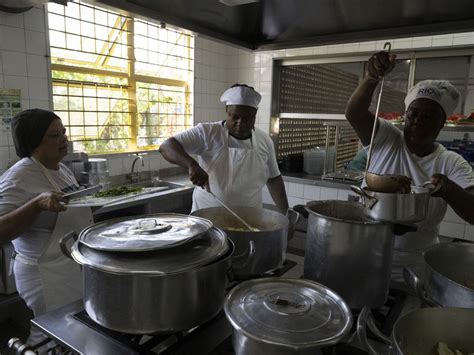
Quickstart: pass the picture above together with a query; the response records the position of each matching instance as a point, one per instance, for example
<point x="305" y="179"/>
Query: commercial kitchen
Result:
<point x="159" y="275"/>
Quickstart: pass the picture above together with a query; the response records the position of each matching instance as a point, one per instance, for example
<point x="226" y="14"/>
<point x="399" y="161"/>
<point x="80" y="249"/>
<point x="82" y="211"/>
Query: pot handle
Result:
<point x="296" y="216"/>
<point x="433" y="189"/>
<point x="364" y="321"/>
<point x="412" y="275"/>
<point x="301" y="209"/>
<point x="64" y="240"/>
<point x="366" y="199"/>
<point x="242" y="260"/>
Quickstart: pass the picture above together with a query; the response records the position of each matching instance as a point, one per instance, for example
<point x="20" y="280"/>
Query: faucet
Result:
<point x="135" y="176"/>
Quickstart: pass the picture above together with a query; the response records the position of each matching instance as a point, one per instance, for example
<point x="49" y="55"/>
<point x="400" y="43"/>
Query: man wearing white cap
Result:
<point x="414" y="153"/>
<point x="235" y="159"/>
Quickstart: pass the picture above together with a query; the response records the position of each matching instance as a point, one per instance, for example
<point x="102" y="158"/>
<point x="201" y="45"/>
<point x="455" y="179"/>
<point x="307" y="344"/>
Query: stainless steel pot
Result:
<point x="447" y="278"/>
<point x="349" y="252"/>
<point x="278" y="316"/>
<point x="395" y="207"/>
<point x="419" y="332"/>
<point x="256" y="252"/>
<point x="158" y="291"/>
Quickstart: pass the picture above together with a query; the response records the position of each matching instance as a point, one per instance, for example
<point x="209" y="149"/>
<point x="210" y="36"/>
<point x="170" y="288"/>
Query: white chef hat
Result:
<point x="440" y="91"/>
<point x="241" y="95"/>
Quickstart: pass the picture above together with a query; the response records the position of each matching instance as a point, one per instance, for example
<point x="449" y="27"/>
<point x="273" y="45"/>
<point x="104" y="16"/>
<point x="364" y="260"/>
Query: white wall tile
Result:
<point x="38" y="88"/>
<point x="44" y="104"/>
<point x="13" y="39"/>
<point x="14" y="63"/>
<point x="328" y="193"/>
<point x="312" y="192"/>
<point x="453" y="230"/>
<point x="292" y="201"/>
<point x="343" y="194"/>
<point x="15" y="20"/>
<point x="1" y="81"/>
<point x="37" y="66"/>
<point x="4" y="158"/>
<point x="452" y="216"/>
<point x="295" y="189"/>
<point x="35" y="42"/>
<point x="155" y="162"/>
<point x="115" y="166"/>
<point x="469" y="232"/>
<point x="367" y="46"/>
<point x="34" y="20"/>
<point x="17" y="82"/>
<point x="422" y="42"/>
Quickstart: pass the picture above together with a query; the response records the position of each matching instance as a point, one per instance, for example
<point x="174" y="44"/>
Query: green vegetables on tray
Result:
<point x="118" y="191"/>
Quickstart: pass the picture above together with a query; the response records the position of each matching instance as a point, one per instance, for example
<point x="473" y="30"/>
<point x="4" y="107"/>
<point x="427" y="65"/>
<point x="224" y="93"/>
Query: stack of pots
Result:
<point x="160" y="273"/>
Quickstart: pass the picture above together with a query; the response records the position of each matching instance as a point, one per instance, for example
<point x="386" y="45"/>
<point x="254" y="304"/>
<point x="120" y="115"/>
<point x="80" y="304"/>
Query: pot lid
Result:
<point x="142" y="233"/>
<point x="292" y="313"/>
<point x="198" y="252"/>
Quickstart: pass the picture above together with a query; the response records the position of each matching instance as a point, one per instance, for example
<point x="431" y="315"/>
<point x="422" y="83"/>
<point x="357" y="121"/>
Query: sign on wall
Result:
<point x="10" y="105"/>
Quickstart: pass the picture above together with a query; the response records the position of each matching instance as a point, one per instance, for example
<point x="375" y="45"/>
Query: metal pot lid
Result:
<point x="144" y="233"/>
<point x="292" y="313"/>
<point x="198" y="252"/>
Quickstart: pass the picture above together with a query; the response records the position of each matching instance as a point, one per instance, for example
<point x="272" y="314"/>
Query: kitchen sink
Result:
<point x="156" y="183"/>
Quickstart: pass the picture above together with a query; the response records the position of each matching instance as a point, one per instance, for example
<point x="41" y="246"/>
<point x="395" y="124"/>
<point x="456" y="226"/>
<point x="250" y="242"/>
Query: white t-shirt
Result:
<point x="207" y="140"/>
<point x="21" y="183"/>
<point x="392" y="156"/>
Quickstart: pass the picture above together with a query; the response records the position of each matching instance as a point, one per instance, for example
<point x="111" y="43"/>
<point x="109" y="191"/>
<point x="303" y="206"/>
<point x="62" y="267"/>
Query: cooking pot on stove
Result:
<point x="160" y="273"/>
<point x="447" y="277"/>
<point x="420" y="331"/>
<point x="396" y="207"/>
<point x="256" y="252"/>
<point x="349" y="252"/>
<point x="278" y="316"/>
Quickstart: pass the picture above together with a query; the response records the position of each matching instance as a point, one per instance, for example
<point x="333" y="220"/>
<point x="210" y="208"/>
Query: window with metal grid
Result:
<point x="120" y="84"/>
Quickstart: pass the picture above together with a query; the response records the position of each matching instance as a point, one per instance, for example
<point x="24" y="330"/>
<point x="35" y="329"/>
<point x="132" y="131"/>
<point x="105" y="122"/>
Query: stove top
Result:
<point x="76" y="333"/>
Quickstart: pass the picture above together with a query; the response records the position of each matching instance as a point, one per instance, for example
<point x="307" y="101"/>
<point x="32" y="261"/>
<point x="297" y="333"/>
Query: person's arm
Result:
<point x="276" y="186"/>
<point x="357" y="109"/>
<point x="174" y="152"/>
<point x="19" y="220"/>
<point x="461" y="200"/>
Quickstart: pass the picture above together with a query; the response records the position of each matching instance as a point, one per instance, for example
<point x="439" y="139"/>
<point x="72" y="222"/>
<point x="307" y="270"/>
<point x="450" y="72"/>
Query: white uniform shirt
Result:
<point x="392" y="156"/>
<point x="21" y="183"/>
<point x="207" y="139"/>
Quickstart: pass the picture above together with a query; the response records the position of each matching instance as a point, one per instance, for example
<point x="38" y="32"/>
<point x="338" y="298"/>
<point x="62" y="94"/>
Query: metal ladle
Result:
<point x="376" y="182"/>
<point x="248" y="226"/>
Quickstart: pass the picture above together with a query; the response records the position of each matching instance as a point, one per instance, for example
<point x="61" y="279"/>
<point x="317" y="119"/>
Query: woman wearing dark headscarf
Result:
<point x="33" y="213"/>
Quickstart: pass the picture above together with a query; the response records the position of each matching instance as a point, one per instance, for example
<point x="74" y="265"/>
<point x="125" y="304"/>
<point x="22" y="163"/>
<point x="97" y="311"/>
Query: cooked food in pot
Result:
<point x="443" y="349"/>
<point x="388" y="183"/>
<point x="240" y="229"/>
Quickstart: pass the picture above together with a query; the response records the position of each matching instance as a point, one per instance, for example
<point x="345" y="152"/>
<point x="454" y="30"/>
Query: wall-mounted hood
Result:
<point x="276" y="24"/>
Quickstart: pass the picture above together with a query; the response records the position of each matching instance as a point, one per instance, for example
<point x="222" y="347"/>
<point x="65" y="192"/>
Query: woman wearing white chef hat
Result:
<point x="235" y="159"/>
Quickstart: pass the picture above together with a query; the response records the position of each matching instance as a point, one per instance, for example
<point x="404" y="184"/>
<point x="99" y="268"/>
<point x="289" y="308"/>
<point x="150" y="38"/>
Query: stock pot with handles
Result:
<point x="160" y="273"/>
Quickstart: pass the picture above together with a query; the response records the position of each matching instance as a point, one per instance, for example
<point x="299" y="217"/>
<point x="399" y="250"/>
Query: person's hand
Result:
<point x="198" y="176"/>
<point x="443" y="183"/>
<point x="380" y="64"/>
<point x="51" y="201"/>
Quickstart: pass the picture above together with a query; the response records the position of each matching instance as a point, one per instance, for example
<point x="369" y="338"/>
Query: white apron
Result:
<point x="52" y="280"/>
<point x="409" y="247"/>
<point x="236" y="176"/>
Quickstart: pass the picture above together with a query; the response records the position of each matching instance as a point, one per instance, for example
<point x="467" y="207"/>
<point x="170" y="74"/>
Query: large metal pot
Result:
<point x="278" y="316"/>
<point x="256" y="252"/>
<point x="349" y="252"/>
<point x="419" y="332"/>
<point x="447" y="278"/>
<point x="154" y="291"/>
<point x="396" y="207"/>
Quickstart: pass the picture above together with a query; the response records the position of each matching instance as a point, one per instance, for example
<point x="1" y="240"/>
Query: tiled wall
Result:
<point x="23" y="65"/>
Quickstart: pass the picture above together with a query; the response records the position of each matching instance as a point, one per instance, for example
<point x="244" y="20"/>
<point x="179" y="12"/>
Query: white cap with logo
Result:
<point x="440" y="91"/>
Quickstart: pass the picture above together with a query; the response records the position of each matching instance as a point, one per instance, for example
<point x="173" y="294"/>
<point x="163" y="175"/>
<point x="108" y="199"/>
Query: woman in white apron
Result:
<point x="235" y="160"/>
<point x="33" y="214"/>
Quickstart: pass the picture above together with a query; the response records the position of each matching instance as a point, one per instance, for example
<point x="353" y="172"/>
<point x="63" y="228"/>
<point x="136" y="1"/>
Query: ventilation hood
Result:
<point x="278" y="24"/>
